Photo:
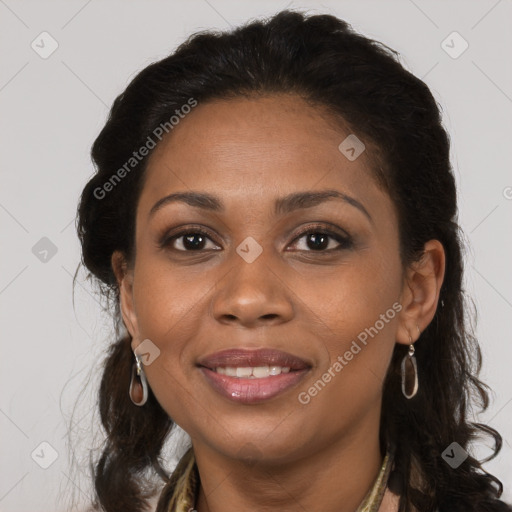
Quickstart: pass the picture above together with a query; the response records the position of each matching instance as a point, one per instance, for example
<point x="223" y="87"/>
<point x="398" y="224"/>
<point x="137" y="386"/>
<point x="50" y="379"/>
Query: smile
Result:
<point x="256" y="372"/>
<point x="252" y="376"/>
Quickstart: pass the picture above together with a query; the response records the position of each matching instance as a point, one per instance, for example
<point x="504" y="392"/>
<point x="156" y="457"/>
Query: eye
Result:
<point x="320" y="239"/>
<point x="189" y="240"/>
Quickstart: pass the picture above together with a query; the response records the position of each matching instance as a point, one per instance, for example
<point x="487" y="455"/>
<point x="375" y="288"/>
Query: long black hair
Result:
<point x="361" y="81"/>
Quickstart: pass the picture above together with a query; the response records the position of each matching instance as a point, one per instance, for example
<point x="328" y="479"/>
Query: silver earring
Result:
<point x="409" y="369"/>
<point x="138" y="384"/>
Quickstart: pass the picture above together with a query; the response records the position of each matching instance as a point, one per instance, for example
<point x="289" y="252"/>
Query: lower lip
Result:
<point x="250" y="391"/>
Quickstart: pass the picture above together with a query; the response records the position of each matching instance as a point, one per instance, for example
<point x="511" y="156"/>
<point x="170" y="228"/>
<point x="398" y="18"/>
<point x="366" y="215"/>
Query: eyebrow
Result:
<point x="282" y="205"/>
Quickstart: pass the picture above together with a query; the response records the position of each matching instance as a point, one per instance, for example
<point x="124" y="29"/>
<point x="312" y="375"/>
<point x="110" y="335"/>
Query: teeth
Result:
<point x="261" y="371"/>
<point x="243" y="372"/>
<point x="257" y="372"/>
<point x="275" y="370"/>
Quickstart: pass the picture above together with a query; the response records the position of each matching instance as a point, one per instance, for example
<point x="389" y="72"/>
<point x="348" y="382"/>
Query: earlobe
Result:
<point x="422" y="286"/>
<point x="124" y="279"/>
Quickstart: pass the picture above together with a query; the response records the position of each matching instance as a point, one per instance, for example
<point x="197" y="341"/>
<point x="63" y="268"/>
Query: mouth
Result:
<point x="248" y="372"/>
<point x="251" y="376"/>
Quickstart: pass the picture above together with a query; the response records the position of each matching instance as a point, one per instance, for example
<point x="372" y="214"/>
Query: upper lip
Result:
<point x="253" y="358"/>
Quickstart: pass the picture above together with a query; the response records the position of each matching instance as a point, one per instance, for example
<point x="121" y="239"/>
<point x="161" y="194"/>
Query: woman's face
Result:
<point x="271" y="167"/>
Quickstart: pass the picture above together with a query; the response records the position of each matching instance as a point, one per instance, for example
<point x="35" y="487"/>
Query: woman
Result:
<point x="274" y="216"/>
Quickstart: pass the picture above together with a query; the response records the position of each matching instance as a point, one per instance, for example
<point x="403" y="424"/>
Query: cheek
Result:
<point x="357" y="312"/>
<point x="170" y="308"/>
<point x="165" y="297"/>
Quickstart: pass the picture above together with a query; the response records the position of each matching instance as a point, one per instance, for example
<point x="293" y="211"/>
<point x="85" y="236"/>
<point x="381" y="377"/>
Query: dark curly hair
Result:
<point x="362" y="83"/>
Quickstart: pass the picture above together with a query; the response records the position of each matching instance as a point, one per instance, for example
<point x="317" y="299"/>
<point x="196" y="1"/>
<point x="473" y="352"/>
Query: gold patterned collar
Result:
<point x="180" y="493"/>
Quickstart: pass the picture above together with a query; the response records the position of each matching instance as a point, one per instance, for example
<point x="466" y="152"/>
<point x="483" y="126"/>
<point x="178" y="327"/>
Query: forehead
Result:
<point x="256" y="147"/>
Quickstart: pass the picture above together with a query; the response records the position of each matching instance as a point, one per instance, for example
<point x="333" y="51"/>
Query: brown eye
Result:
<point x="189" y="241"/>
<point x="321" y="240"/>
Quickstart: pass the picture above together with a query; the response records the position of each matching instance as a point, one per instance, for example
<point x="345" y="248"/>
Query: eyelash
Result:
<point x="344" y="241"/>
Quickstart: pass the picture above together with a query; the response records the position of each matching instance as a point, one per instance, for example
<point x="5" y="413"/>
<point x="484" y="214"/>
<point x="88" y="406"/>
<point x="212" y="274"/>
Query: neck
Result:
<point x="336" y="476"/>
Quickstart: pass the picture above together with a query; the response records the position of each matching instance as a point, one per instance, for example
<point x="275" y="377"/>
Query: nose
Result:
<point x="252" y="294"/>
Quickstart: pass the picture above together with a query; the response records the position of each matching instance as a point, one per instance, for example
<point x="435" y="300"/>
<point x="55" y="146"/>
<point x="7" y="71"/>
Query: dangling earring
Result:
<point x="409" y="367"/>
<point x="138" y="385"/>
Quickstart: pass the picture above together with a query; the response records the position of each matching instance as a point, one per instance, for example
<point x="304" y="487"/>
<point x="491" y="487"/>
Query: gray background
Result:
<point x="51" y="111"/>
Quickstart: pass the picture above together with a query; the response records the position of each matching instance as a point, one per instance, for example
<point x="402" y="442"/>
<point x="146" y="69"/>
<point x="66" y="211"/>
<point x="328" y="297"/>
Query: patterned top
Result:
<point x="181" y="492"/>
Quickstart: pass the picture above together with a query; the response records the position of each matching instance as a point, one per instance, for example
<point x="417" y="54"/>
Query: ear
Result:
<point x="124" y="277"/>
<point x="420" y="292"/>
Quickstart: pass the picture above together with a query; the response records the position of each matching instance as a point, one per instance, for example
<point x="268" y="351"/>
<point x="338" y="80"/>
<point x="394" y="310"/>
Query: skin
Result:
<point x="279" y="454"/>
